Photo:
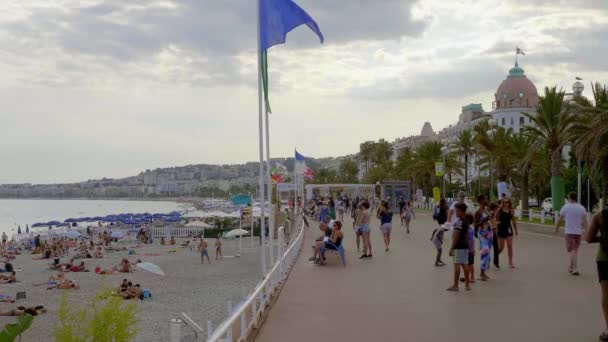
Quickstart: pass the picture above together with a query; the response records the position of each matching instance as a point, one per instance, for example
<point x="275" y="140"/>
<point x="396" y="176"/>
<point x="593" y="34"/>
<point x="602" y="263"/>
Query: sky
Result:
<point x="93" y="89"/>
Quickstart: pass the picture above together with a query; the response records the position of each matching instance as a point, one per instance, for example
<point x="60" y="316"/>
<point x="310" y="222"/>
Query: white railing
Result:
<point x="245" y="317"/>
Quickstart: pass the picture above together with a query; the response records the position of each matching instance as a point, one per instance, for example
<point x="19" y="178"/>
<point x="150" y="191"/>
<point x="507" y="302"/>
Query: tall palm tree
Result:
<point x="524" y="156"/>
<point x="495" y="148"/>
<point x="366" y="151"/>
<point x="465" y="146"/>
<point x="591" y="135"/>
<point x="551" y="128"/>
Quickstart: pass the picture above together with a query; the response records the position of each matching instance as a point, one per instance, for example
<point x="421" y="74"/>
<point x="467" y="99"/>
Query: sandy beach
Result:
<point x="201" y="291"/>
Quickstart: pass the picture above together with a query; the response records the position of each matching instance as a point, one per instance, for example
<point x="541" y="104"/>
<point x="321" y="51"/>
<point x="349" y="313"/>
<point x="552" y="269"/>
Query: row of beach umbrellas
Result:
<point x="129" y="218"/>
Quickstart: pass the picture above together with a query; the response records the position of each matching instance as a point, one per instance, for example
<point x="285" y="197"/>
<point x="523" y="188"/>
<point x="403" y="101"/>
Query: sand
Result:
<point x="201" y="291"/>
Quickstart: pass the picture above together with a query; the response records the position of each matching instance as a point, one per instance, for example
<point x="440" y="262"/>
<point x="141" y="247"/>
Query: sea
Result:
<point x="14" y="213"/>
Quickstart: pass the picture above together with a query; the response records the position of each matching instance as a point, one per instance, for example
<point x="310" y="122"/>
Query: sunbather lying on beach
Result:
<point x="21" y="310"/>
<point x="64" y="285"/>
<point x="129" y="291"/>
<point x="8" y="279"/>
<point x="4" y="298"/>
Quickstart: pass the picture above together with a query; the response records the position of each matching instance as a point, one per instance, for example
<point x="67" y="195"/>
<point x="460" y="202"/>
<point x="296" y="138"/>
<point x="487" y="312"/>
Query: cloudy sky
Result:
<point x="109" y="88"/>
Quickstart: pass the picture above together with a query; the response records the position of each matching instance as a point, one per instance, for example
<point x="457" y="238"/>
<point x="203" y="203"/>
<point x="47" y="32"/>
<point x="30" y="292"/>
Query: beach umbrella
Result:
<point x="236" y="232"/>
<point x="150" y="267"/>
<point x="27" y="229"/>
<point x="117" y="234"/>
<point x="198" y="224"/>
<point x="73" y="234"/>
<point x="19" y="230"/>
<point x="53" y="223"/>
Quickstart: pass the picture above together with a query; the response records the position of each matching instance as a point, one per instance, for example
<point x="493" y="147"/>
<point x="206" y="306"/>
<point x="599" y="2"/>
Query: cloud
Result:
<point x="148" y="83"/>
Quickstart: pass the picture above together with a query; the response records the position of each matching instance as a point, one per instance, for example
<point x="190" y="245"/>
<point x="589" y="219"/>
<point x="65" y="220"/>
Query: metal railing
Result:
<point x="245" y="317"/>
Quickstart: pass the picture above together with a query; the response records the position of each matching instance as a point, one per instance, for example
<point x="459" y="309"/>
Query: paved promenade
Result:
<point x="401" y="296"/>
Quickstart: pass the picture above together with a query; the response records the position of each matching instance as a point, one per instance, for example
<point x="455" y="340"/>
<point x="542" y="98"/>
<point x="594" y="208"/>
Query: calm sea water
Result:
<point x="22" y="212"/>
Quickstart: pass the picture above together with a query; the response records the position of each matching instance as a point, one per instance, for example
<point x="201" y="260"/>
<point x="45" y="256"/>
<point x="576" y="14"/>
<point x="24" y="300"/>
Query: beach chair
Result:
<point x="339" y="251"/>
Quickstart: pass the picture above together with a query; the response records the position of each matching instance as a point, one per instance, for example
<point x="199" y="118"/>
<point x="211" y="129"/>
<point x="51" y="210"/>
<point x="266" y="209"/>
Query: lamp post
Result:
<point x="444" y="152"/>
<point x="492" y="123"/>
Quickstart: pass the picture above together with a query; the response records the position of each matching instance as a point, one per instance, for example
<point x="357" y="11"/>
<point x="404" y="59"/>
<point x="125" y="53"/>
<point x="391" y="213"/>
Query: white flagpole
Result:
<point x="261" y="146"/>
<point x="269" y="193"/>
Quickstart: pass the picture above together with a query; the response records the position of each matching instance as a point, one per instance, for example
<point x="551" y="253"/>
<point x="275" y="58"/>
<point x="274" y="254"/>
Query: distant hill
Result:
<point x="191" y="180"/>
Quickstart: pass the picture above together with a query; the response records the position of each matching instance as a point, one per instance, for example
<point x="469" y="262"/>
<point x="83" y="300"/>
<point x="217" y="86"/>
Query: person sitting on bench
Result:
<point x="326" y="228"/>
<point x="335" y="241"/>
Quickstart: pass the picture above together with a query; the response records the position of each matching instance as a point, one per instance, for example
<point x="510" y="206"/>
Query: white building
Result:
<point x="414" y="141"/>
<point x="515" y="95"/>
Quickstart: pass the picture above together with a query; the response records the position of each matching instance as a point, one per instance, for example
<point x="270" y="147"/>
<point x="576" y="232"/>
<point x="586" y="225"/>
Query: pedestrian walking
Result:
<point x="507" y="227"/>
<point x="575" y="217"/>
<point x="440" y="216"/>
<point x="598" y="233"/>
<point x="357" y="216"/>
<point x="407" y="215"/>
<point x="401" y="205"/>
<point x="460" y="247"/>
<point x="332" y="208"/>
<point x="365" y="230"/>
<point x="340" y="209"/>
<point x="386" y="226"/>
<point x="483" y="228"/>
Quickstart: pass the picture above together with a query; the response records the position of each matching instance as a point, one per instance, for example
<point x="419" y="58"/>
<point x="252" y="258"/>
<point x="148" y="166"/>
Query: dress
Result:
<point x="332" y="212"/>
<point x="485" y="247"/>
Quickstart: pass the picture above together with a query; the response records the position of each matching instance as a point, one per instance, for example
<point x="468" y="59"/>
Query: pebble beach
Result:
<point x="200" y="291"/>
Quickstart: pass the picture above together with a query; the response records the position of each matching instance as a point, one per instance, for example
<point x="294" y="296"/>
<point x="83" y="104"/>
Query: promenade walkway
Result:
<point x="401" y="296"/>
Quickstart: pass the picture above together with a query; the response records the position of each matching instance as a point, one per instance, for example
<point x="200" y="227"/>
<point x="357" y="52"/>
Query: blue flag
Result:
<point x="300" y="157"/>
<point x="279" y="17"/>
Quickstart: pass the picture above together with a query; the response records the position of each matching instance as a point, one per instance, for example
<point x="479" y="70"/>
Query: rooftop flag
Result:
<point x="519" y="51"/>
<point x="299" y="157"/>
<point x="277" y="18"/>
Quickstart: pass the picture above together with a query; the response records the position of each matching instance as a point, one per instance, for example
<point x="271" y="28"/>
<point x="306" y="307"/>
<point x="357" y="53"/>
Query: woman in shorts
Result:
<point x="365" y="230"/>
<point x="386" y="226"/>
<point x="506" y="227"/>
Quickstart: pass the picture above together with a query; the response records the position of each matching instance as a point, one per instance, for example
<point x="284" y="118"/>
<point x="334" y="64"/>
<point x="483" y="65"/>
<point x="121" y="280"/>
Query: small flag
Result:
<point x="519" y="51"/>
<point x="578" y="78"/>
<point x="308" y="175"/>
<point x="277" y="18"/>
<point x="280" y="169"/>
<point x="299" y="157"/>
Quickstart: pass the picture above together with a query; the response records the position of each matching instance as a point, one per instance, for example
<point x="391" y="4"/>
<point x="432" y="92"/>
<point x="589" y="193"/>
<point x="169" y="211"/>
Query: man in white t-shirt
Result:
<point x="575" y="217"/>
<point x="452" y="218"/>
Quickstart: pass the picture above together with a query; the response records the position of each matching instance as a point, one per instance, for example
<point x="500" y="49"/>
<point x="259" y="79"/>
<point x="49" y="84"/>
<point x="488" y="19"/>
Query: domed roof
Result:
<point x="516" y="91"/>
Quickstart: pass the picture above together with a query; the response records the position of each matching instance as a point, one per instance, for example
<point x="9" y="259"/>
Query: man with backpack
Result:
<point x="598" y="233"/>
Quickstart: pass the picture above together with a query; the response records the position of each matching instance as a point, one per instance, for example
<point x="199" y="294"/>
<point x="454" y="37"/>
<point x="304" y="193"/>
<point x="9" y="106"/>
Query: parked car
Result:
<point x="548" y="205"/>
<point x="532" y="202"/>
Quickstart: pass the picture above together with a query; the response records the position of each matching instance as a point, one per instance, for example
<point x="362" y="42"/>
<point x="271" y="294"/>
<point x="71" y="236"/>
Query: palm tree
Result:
<point x="524" y="156"/>
<point x="381" y="151"/>
<point x="366" y="151"/>
<point x="591" y="135"/>
<point x="495" y="149"/>
<point x="551" y="128"/>
<point x="465" y="146"/>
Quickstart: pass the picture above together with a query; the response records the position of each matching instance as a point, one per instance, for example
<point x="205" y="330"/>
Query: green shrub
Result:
<point x="106" y="319"/>
<point x="13" y="330"/>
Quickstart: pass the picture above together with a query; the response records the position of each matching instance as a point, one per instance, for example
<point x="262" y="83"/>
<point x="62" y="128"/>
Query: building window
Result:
<point x="512" y="121"/>
<point x="502" y="122"/>
<point x="521" y="120"/>
<point x="530" y="120"/>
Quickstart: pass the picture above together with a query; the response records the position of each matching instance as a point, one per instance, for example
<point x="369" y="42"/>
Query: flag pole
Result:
<point x="269" y="180"/>
<point x="261" y="148"/>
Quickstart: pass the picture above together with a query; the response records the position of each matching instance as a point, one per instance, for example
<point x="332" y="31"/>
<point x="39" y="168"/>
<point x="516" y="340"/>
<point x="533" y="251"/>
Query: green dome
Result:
<point x="516" y="71"/>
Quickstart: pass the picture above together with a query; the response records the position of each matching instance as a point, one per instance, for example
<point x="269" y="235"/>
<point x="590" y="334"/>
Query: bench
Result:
<point x="339" y="251"/>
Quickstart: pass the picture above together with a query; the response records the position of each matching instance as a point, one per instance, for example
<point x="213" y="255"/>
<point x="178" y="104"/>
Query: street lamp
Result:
<point x="492" y="123"/>
<point x="444" y="152"/>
